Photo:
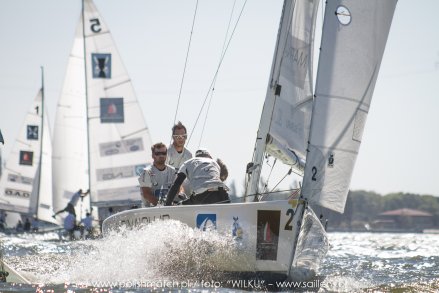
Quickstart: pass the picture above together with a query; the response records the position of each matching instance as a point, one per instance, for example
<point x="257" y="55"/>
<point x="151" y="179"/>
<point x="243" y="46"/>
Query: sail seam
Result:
<point x="343" y="98"/>
<point x="132" y="133"/>
<point x="117" y="84"/>
<point x="335" y="149"/>
<point x="95" y="35"/>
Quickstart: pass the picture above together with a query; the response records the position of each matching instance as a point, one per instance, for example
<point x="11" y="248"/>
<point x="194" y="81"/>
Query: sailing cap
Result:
<point x="202" y="153"/>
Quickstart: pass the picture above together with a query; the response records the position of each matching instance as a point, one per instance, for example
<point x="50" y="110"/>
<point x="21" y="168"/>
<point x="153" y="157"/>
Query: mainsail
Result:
<point x="353" y="41"/>
<point x="101" y="138"/>
<point x="26" y="183"/>
<point x="285" y="120"/>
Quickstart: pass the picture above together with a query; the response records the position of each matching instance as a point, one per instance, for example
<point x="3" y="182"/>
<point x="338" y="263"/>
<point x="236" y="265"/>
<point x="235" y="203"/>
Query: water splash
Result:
<point x="162" y="250"/>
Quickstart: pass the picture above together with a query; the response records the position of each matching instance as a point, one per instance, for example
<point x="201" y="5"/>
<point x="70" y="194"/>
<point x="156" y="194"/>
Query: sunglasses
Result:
<point x="180" y="136"/>
<point x="160" y="153"/>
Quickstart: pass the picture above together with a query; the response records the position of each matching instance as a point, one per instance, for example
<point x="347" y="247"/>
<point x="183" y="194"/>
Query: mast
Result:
<point x="255" y="168"/>
<point x="41" y="143"/>
<point x="86" y="103"/>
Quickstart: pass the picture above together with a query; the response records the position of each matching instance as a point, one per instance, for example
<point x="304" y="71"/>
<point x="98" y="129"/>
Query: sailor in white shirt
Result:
<point x="157" y="178"/>
<point x="203" y="175"/>
<point x="177" y="153"/>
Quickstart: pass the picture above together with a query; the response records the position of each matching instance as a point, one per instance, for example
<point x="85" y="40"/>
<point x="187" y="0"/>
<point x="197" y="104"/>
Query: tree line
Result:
<point x="365" y="206"/>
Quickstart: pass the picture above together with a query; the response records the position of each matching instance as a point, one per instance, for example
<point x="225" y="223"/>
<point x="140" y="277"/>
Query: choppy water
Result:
<point x="168" y="256"/>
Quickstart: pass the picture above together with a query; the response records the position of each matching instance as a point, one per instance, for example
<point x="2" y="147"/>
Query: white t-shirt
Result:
<point x="202" y="174"/>
<point x="176" y="159"/>
<point x="159" y="181"/>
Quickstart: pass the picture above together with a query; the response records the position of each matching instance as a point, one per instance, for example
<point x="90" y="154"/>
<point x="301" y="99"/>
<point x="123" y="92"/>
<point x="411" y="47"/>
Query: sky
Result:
<point x="400" y="145"/>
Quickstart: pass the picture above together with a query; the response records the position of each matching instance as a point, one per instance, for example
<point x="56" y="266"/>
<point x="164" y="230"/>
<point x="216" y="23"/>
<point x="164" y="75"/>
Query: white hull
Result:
<point x="264" y="227"/>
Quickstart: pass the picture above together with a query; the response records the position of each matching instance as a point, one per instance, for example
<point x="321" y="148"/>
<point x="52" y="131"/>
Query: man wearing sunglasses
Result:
<point x="203" y="174"/>
<point x="156" y="179"/>
<point x="177" y="153"/>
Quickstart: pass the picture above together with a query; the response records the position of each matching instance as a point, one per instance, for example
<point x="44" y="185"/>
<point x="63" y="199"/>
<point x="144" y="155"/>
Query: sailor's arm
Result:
<point x="175" y="188"/>
<point x="148" y="196"/>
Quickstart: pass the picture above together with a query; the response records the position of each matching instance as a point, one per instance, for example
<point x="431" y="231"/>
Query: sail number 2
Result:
<point x="95" y="25"/>
<point x="288" y="226"/>
<point x="314" y="173"/>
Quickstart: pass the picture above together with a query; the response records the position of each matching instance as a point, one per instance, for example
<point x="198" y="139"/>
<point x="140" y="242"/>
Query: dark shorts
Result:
<point x="70" y="209"/>
<point x="208" y="197"/>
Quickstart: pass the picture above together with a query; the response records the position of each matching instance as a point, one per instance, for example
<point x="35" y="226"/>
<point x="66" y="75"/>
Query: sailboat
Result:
<point x="317" y="132"/>
<point x="101" y="141"/>
<point x="26" y="182"/>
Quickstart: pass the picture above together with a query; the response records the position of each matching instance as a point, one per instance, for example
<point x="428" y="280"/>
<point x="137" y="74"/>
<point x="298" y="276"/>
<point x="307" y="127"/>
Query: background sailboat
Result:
<point x="101" y="141"/>
<point x="26" y="182"/>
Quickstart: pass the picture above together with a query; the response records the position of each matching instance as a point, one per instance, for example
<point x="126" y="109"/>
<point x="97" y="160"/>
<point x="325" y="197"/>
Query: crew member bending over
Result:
<point x="203" y="174"/>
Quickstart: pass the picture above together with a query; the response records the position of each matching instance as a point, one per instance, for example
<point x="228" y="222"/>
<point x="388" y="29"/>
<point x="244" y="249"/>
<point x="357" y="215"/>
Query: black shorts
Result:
<point x="208" y="197"/>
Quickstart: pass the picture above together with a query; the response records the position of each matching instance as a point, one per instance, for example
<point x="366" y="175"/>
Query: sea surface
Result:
<point x="170" y="257"/>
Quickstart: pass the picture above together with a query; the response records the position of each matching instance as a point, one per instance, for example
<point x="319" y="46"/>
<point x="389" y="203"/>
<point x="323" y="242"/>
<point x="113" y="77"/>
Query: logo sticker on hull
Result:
<point x="267" y="239"/>
<point x="206" y="222"/>
<point x="237" y="230"/>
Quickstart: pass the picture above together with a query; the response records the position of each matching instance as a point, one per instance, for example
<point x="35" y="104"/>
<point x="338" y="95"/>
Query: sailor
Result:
<point x="34" y="224"/>
<point x="70" y="208"/>
<point x="19" y="227"/>
<point x="88" y="223"/>
<point x="70" y="224"/>
<point x="27" y="225"/>
<point x="177" y="152"/>
<point x="203" y="175"/>
<point x="156" y="179"/>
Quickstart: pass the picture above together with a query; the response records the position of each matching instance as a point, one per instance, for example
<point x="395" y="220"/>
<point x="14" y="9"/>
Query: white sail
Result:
<point x="22" y="188"/>
<point x="285" y="120"/>
<point x="101" y="138"/>
<point x="353" y="42"/>
<point x="70" y="152"/>
<point x="43" y="192"/>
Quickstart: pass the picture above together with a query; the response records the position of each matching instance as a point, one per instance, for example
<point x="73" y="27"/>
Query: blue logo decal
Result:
<point x="206" y="222"/>
<point x="101" y="65"/>
<point x="32" y="132"/>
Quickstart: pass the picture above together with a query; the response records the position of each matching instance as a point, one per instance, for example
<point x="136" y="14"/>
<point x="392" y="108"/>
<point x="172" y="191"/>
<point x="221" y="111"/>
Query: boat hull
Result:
<point x="264" y="227"/>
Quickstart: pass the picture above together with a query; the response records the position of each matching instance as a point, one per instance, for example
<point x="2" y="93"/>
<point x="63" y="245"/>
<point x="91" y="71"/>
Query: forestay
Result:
<point x="353" y="42"/>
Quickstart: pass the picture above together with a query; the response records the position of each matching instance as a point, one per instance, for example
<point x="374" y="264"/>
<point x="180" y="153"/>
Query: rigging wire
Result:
<point x="269" y="175"/>
<point x="185" y="62"/>
<point x="280" y="181"/>
<point x="214" y="82"/>
<point x="273" y="192"/>
<point x="216" y="72"/>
